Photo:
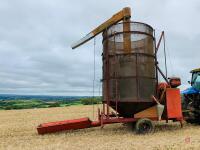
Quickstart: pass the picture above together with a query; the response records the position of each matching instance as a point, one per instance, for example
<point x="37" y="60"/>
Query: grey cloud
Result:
<point x="35" y="39"/>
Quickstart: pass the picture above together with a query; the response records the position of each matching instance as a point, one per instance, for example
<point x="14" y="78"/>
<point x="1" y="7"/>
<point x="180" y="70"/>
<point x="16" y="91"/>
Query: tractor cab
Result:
<point x="191" y="99"/>
<point x="195" y="81"/>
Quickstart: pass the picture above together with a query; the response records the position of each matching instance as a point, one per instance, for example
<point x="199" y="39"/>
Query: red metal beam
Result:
<point x="52" y="127"/>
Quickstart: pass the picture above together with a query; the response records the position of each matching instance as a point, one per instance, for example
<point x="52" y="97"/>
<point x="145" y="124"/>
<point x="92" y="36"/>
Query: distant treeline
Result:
<point x="34" y="103"/>
<point x="39" y="97"/>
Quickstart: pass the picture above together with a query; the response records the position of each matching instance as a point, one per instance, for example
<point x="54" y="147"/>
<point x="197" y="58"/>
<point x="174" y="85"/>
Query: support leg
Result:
<point x="181" y="122"/>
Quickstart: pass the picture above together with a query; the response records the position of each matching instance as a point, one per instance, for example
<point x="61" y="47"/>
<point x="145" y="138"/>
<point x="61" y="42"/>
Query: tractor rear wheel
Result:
<point x="144" y="126"/>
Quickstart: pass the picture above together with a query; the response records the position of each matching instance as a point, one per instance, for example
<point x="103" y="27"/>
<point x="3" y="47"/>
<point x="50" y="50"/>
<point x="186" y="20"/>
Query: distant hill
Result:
<point x="8" y="102"/>
<point x="40" y="97"/>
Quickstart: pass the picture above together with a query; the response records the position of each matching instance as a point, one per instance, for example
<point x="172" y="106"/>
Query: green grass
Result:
<point x="28" y="104"/>
<point x="23" y="104"/>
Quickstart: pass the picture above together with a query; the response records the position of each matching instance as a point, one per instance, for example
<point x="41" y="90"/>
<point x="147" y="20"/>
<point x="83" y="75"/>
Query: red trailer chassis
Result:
<point x="82" y="123"/>
<point x="173" y="112"/>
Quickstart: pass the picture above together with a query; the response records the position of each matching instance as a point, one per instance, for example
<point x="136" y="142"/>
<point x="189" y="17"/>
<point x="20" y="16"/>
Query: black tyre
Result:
<point x="144" y="126"/>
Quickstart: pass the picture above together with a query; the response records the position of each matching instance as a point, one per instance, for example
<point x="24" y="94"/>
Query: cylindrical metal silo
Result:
<point x="129" y="72"/>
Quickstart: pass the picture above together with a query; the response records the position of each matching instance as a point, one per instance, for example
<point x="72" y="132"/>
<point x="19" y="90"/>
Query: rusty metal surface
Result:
<point x="131" y="77"/>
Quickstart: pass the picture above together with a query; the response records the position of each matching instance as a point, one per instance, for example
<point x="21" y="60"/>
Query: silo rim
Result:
<point x="138" y="23"/>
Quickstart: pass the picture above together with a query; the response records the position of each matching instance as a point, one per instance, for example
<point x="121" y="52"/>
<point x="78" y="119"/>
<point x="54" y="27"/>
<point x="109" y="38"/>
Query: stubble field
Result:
<point x="18" y="132"/>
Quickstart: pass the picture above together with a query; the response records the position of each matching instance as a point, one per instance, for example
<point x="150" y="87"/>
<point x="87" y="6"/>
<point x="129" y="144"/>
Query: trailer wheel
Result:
<point x="144" y="126"/>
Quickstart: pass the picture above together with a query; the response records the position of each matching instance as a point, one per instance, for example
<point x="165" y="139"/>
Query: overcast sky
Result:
<point x="35" y="39"/>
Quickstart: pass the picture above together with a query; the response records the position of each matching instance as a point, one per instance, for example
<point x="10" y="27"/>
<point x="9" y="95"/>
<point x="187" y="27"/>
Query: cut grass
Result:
<point x="18" y="132"/>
